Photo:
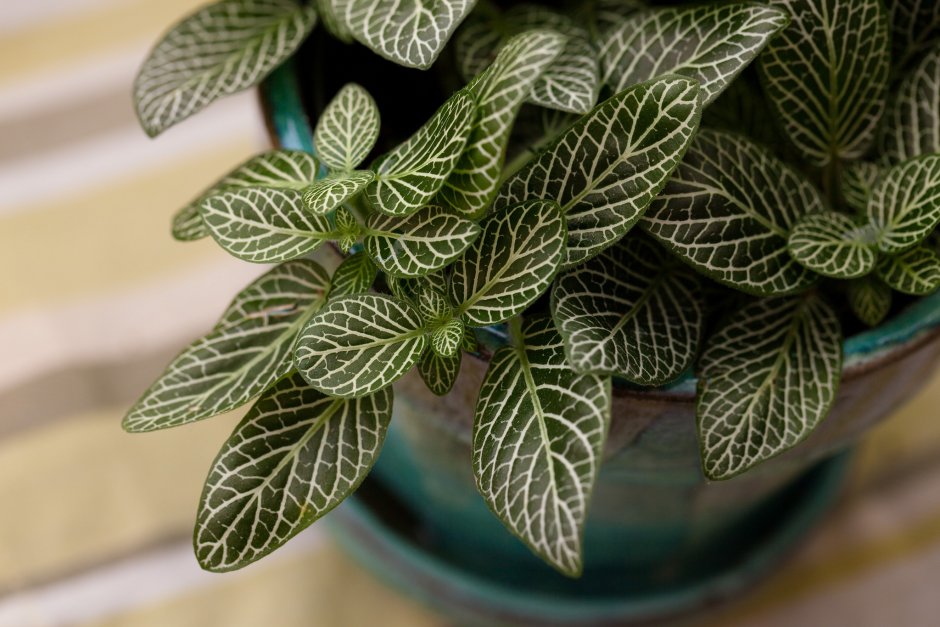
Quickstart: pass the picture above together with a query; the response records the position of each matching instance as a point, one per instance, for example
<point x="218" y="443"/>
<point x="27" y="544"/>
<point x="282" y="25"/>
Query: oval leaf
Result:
<point x="510" y="264"/>
<point x="409" y="32"/>
<point x="294" y="457"/>
<point x="833" y="245"/>
<point x="709" y="44"/>
<point x="826" y="75"/>
<point x="264" y="225"/>
<point x="538" y="436"/>
<point x="247" y="351"/>
<point x="870" y="300"/>
<point x="347" y="129"/>
<point x="905" y="204"/>
<point x="768" y="377"/>
<point x="439" y="373"/>
<point x="220" y="49"/>
<point x="357" y="345"/>
<point x="328" y="193"/>
<point x="911" y="126"/>
<point x="857" y="182"/>
<point x="499" y="91"/>
<point x="728" y="211"/>
<point x="409" y="177"/>
<point x="420" y="243"/>
<point x="606" y="168"/>
<point x="631" y="313"/>
<point x="915" y="26"/>
<point x="355" y="275"/>
<point x="915" y="272"/>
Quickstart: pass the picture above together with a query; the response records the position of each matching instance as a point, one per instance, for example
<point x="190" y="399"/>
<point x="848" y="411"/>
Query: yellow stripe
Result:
<point x="115" y="236"/>
<point x="57" y="42"/>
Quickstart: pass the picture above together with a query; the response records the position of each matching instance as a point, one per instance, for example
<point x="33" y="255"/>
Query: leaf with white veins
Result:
<point x="711" y="44"/>
<point x="915" y="272"/>
<point x="911" y="126"/>
<point x="357" y="345"/>
<point x="870" y="300"/>
<point x="538" y="436"/>
<point x="264" y="225"/>
<point x="418" y="244"/>
<point x="728" y="211"/>
<point x="905" y="204"/>
<point x="325" y="195"/>
<point x="608" y="166"/>
<point x="768" y="377"/>
<point x="834" y="245"/>
<point x="294" y="457"/>
<point x="408" y="177"/>
<point x="347" y="129"/>
<point x="220" y="49"/>
<point x="510" y="264"/>
<point x="857" y="182"/>
<point x="439" y="373"/>
<point x="631" y="312"/>
<point x="247" y="351"/>
<point x="355" y="275"/>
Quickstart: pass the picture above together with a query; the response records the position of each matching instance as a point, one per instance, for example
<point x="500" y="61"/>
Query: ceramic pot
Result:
<point x="660" y="539"/>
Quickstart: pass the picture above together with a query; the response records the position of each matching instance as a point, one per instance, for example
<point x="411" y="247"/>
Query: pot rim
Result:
<point x="290" y="129"/>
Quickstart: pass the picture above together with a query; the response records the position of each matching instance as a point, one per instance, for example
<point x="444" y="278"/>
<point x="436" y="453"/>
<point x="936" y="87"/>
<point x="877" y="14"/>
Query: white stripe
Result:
<point x="114" y="157"/>
<point x="137" y="582"/>
<point x="166" y="312"/>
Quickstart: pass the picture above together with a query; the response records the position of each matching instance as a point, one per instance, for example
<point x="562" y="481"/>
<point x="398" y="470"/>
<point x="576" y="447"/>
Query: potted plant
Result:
<point x="621" y="253"/>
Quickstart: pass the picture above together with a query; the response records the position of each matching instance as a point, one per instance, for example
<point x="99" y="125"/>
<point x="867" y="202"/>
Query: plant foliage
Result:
<point x="775" y="158"/>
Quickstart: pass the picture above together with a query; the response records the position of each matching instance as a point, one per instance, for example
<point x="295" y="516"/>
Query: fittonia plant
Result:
<point x="653" y="176"/>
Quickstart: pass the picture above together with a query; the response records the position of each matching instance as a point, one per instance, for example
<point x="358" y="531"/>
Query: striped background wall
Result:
<point x="95" y="297"/>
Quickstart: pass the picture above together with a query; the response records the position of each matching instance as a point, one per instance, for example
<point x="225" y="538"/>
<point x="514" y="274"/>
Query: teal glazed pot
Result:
<point x="660" y="539"/>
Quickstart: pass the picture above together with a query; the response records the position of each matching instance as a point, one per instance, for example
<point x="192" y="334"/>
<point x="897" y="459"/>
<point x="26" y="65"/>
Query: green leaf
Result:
<point x="411" y="175"/>
<point x="499" y="92"/>
<point x="331" y="21"/>
<point x="247" y="351"/>
<point x="434" y="307"/>
<point x="915" y="26"/>
<point x="538" y="437"/>
<point x="347" y="129"/>
<point x="728" y="211"/>
<point x="279" y="169"/>
<point x="857" y="182"/>
<point x="510" y="264"/>
<point x="220" y="49"/>
<point x="834" y="245"/>
<point x="348" y="229"/>
<point x="293" y="458"/>
<point x="601" y="17"/>
<point x="355" y="275"/>
<point x="357" y="345"/>
<point x="264" y="225"/>
<point x="447" y="338"/>
<point x="439" y="373"/>
<point x="870" y="300"/>
<point x="325" y="195"/>
<point x="911" y="127"/>
<point x="418" y="244"/>
<point x="607" y="167"/>
<point x="905" y="204"/>
<point x="710" y="44"/>
<point x="631" y="313"/>
<point x="768" y="377"/>
<point x="826" y="75"/>
<point x="915" y="272"/>
<point x="409" y="32"/>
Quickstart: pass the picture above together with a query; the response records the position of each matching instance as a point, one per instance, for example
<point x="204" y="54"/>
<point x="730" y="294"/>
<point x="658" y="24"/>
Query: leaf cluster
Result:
<point x="609" y="246"/>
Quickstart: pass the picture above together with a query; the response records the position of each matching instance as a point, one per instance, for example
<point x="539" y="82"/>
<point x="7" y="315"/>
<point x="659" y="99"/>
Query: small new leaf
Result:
<point x="834" y="245"/>
<point x="247" y="351"/>
<point x="510" y="264"/>
<point x="710" y="44"/>
<point x="606" y="168"/>
<point x="439" y="373"/>
<point x="905" y="204"/>
<point x="768" y="377"/>
<point x="294" y="457"/>
<point x="411" y="175"/>
<point x="728" y="211"/>
<point x="221" y="49"/>
<point x="446" y="339"/>
<point x="325" y="195"/>
<point x="630" y="312"/>
<point x="357" y="345"/>
<point x="418" y="244"/>
<point x="827" y="74"/>
<point x="915" y="272"/>
<point x="870" y="300"/>
<point x="264" y="225"/>
<point x="347" y="129"/>
<point x="538" y="436"/>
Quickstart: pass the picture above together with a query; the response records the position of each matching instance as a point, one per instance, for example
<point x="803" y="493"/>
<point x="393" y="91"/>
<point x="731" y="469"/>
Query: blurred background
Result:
<point x="96" y="297"/>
